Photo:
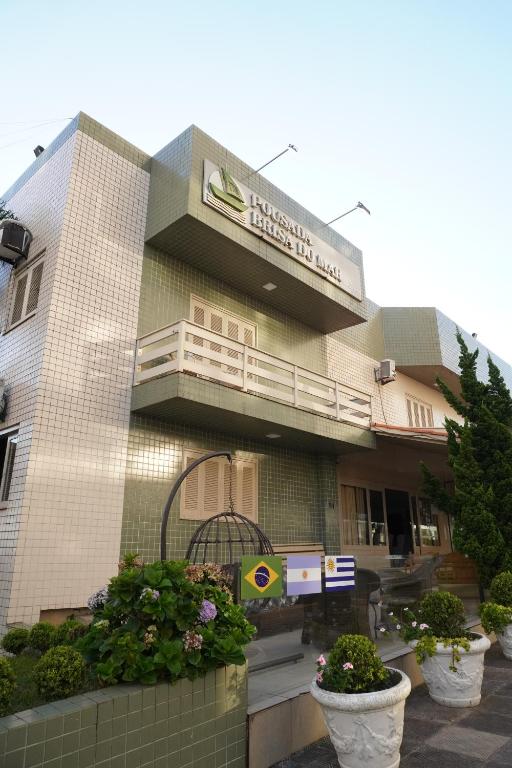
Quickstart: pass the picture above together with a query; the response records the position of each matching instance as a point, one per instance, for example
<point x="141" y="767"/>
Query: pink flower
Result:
<point x="319" y="677"/>
<point x="348" y="665"/>
<point x="321" y="660"/>
<point x="423" y="626"/>
<point x="414" y="624"/>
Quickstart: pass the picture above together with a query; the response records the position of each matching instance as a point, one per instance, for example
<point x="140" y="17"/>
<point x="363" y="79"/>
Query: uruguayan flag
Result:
<point x="340" y="572"/>
<point x="303" y="574"/>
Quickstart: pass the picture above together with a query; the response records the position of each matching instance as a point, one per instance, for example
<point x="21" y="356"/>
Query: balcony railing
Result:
<point x="189" y="348"/>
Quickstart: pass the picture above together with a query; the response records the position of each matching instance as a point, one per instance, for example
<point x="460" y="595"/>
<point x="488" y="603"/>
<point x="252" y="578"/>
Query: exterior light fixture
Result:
<point x="272" y="436"/>
<point x="358" y="205"/>
<point x="38" y="150"/>
<point x="270" y="286"/>
<point x="290" y="146"/>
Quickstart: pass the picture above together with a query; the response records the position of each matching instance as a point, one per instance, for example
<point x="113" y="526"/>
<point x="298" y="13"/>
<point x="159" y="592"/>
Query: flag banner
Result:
<point x="340" y="573"/>
<point x="303" y="574"/>
<point x="261" y="576"/>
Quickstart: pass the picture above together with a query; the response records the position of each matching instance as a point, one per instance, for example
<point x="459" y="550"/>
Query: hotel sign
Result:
<point x="239" y="203"/>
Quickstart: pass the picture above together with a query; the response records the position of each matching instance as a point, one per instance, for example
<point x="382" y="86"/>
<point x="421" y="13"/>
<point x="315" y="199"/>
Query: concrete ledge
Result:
<point x="200" y="723"/>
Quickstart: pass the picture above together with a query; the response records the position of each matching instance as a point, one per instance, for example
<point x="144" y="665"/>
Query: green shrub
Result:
<point x="353" y="666"/>
<point x="164" y="621"/>
<point x="443" y="612"/>
<point x="495" y="617"/>
<point x="41" y="636"/>
<point x="7" y="685"/>
<point x="60" y="672"/>
<point x="15" y="641"/>
<point x="68" y="632"/>
<point x="501" y="589"/>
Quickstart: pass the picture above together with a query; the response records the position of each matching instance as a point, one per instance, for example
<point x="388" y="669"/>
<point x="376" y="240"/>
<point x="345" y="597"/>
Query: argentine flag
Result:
<point x="303" y="574"/>
<point x="340" y="572"/>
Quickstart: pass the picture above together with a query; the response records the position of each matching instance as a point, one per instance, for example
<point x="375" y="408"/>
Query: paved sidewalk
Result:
<point x="445" y="737"/>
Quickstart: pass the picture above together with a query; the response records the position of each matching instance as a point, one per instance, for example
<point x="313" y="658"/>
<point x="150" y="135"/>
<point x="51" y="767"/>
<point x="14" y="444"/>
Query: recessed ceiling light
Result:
<point x="272" y="436"/>
<point x="270" y="286"/>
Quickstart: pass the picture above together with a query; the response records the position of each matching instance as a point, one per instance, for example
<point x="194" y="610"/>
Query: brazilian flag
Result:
<point x="261" y="576"/>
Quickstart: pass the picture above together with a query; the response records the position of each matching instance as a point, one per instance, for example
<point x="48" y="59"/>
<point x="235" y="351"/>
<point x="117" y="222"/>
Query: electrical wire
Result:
<point x="31" y="130"/>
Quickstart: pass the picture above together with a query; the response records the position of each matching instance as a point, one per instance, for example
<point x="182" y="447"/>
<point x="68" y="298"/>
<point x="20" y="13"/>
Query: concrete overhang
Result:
<point x="181" y="398"/>
<point x="422" y="341"/>
<point x="180" y="223"/>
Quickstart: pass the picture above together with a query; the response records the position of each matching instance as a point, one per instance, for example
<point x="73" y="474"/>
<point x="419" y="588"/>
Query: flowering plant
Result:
<point x="164" y="621"/>
<point x="353" y="666"/>
<point x="439" y="618"/>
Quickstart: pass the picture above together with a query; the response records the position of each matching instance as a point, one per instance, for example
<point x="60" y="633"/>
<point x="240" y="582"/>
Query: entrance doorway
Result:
<point x="399" y="523"/>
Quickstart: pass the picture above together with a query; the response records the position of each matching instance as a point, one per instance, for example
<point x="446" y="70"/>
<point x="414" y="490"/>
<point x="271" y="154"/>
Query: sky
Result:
<point x="406" y="106"/>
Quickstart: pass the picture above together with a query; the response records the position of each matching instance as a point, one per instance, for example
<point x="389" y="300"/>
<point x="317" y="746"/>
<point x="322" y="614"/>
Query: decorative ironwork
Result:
<point x="223" y="538"/>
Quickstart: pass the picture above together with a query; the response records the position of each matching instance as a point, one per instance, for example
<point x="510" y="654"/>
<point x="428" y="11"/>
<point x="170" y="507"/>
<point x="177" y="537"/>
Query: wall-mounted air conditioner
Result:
<point x="386" y="373"/>
<point x="15" y="241"/>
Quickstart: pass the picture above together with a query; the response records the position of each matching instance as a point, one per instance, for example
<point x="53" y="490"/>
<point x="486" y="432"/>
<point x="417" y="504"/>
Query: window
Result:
<point x="26" y="293"/>
<point x="419" y="414"/>
<point x="205" y="492"/>
<point x="218" y="320"/>
<point x="362" y="517"/>
<point x="8" y="442"/>
<point x="429" y="524"/>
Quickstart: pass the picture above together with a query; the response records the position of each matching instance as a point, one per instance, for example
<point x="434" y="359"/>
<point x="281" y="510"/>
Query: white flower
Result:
<point x="414" y="624"/>
<point x="399" y="626"/>
<point x="382" y="629"/>
<point x="423" y="626"/>
<point x="390" y="613"/>
<point x="406" y="609"/>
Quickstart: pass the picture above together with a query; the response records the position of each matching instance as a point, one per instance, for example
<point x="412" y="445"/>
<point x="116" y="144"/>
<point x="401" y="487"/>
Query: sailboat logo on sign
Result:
<point x="223" y="186"/>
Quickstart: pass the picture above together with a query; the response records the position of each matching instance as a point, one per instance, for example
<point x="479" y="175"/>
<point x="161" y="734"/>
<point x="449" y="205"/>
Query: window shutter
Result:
<point x="409" y="413"/>
<point x="248" y="506"/>
<point x="206" y="490"/>
<point x="190" y="502"/>
<point x="9" y="466"/>
<point x="19" y="298"/>
<point x="211" y="500"/>
<point x="35" y="286"/>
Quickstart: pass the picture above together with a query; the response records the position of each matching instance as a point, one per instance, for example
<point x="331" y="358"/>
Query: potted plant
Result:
<point x="451" y="658"/>
<point x="496" y="615"/>
<point x="362" y="702"/>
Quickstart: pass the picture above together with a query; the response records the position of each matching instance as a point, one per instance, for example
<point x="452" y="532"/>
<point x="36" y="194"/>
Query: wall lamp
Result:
<point x="359" y="205"/>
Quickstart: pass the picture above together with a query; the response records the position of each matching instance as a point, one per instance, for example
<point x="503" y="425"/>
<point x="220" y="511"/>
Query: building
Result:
<point x="179" y="304"/>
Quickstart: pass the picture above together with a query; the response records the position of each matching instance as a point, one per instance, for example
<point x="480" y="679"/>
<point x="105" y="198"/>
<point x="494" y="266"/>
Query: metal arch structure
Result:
<point x="174" y="491"/>
<point x="231" y="531"/>
<point x="228" y="530"/>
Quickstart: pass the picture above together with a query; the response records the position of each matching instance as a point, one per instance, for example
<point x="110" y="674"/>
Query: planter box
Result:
<point x="199" y="724"/>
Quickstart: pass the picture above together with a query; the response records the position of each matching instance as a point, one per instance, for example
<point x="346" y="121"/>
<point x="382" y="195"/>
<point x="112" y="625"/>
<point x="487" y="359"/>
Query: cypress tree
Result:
<point x="480" y="455"/>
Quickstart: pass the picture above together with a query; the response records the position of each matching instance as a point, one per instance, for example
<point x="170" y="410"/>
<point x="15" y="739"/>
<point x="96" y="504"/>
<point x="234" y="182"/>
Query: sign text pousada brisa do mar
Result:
<point x="239" y="203"/>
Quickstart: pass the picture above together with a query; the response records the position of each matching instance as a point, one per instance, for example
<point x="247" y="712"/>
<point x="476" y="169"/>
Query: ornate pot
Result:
<point x="505" y="640"/>
<point x="366" y="728"/>
<point x="461" y="688"/>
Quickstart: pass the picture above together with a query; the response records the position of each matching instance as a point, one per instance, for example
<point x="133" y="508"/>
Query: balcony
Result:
<point x="188" y="373"/>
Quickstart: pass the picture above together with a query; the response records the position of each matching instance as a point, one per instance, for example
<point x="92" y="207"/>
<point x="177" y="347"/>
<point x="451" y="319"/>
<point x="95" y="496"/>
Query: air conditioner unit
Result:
<point x="15" y="241"/>
<point x="386" y="373"/>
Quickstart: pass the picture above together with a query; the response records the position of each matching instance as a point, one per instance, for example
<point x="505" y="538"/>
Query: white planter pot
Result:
<point x="505" y="640"/>
<point x="366" y="728"/>
<point x="463" y="687"/>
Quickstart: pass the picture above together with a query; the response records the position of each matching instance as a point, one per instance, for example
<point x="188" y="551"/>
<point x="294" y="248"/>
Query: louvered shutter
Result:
<point x="206" y="489"/>
<point x="211" y="496"/>
<point x="34" y="288"/>
<point x="190" y="493"/>
<point x="247" y="472"/>
<point x="19" y="299"/>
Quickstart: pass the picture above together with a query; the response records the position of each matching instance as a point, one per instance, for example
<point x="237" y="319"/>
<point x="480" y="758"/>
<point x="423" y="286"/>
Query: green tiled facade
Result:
<point x="200" y="724"/>
<point x="296" y="490"/>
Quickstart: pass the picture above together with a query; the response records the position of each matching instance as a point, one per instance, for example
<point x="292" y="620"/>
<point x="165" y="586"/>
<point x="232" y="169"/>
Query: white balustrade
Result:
<point x="189" y="348"/>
